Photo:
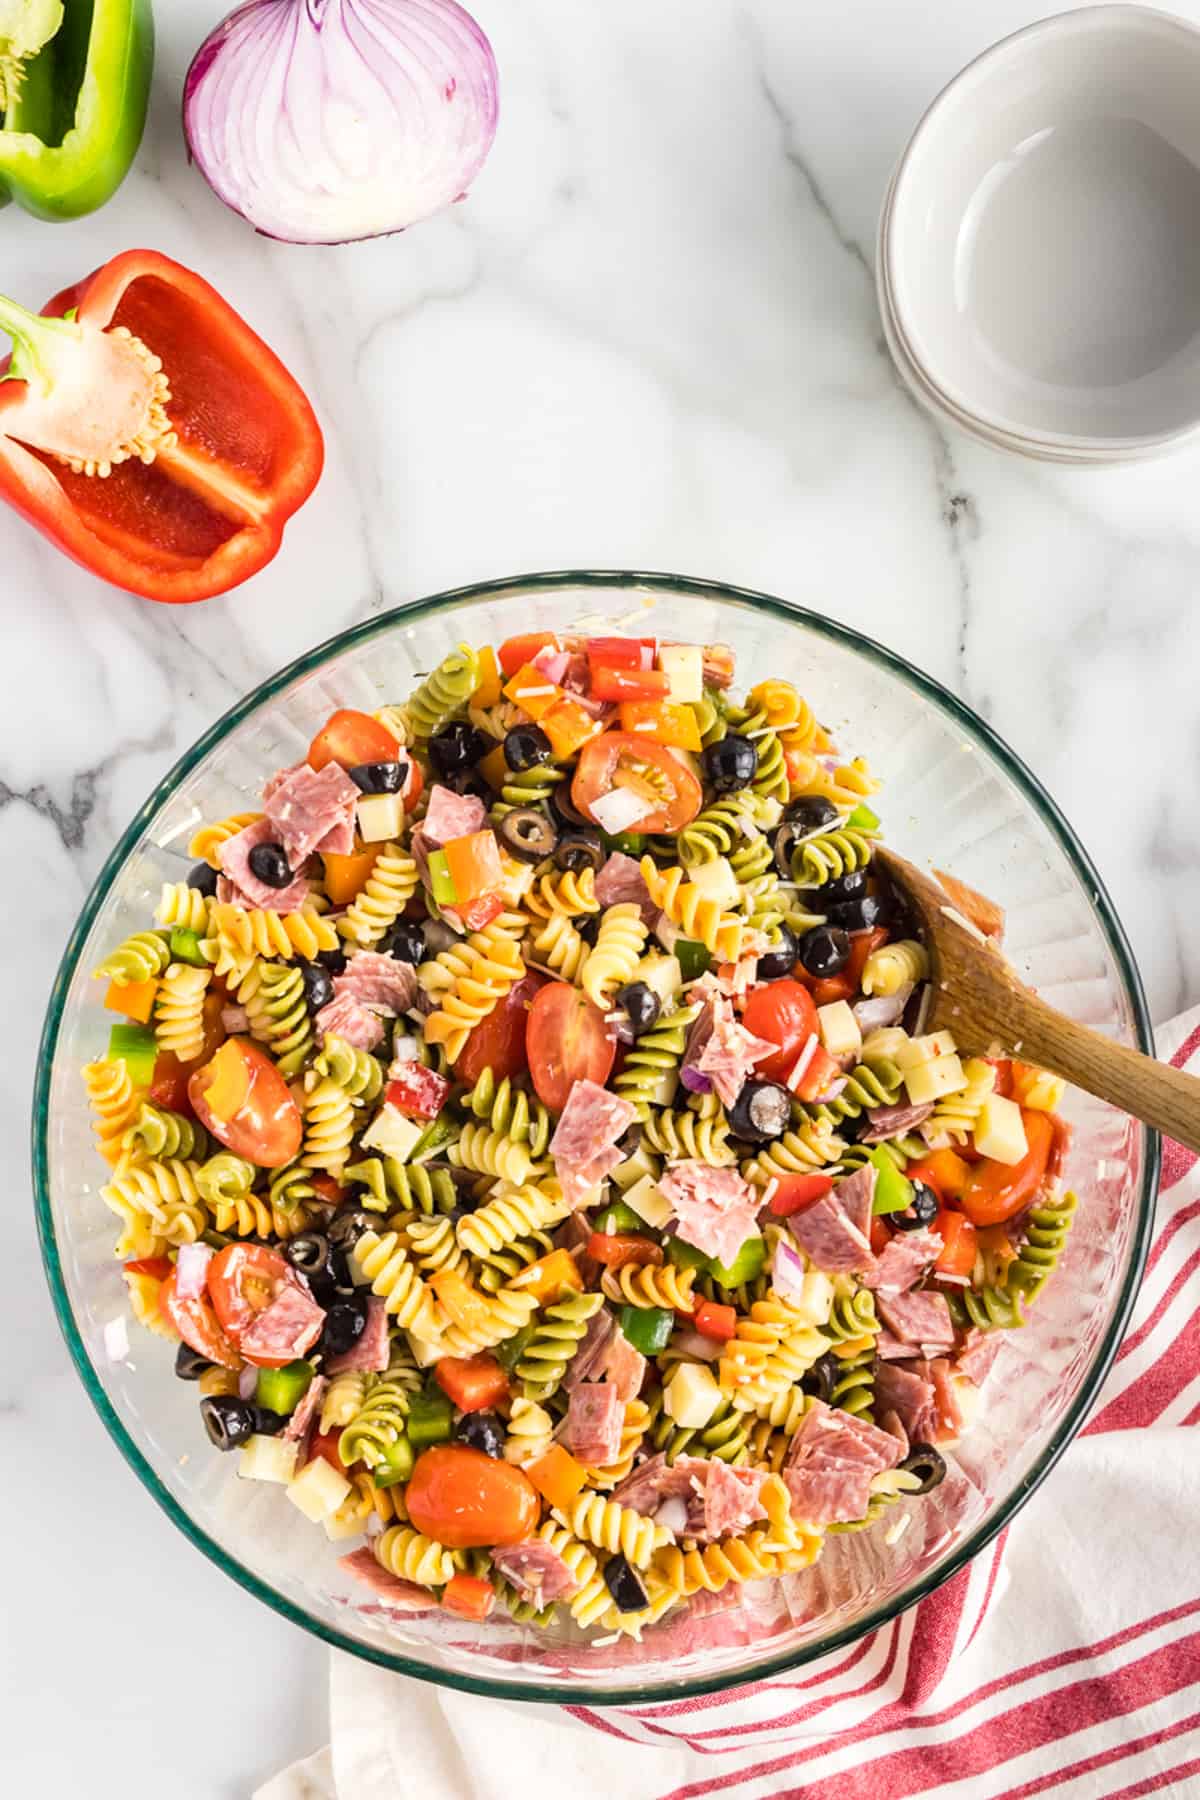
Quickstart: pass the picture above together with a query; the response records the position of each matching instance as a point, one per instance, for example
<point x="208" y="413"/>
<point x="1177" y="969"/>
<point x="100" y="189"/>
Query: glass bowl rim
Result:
<point x="550" y="582"/>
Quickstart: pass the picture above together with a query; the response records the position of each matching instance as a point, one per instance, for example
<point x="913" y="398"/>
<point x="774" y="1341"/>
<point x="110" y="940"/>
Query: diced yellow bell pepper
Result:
<point x="465" y="1304"/>
<point x="567" y="726"/>
<point x="474" y="865"/>
<point x="663" y="722"/>
<point x="494" y="768"/>
<point x="487" y="688"/>
<point x="530" y="689"/>
<point x="549" y="1275"/>
<point x="557" y="1476"/>
<point x="133" y="999"/>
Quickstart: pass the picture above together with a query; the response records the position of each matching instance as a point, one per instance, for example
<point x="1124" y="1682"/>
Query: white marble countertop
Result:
<point x="649" y="339"/>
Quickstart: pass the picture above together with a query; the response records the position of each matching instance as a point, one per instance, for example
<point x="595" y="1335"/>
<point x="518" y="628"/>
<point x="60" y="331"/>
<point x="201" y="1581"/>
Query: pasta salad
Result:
<point x="521" y="1123"/>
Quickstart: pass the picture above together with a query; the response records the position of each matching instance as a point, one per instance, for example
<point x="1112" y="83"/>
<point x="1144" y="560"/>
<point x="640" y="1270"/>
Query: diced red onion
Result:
<point x="322" y="121"/>
<point x="667" y="932"/>
<point x="552" y="663"/>
<point x="697" y="1346"/>
<point x="191" y="1270"/>
<point x="831" y="1092"/>
<point x="694" y="1081"/>
<point x="788" y="1270"/>
<point x="888" y="1009"/>
<point x="235" y="1019"/>
<point x="247" y="1382"/>
<point x="673" y="1514"/>
<point x="404" y="1050"/>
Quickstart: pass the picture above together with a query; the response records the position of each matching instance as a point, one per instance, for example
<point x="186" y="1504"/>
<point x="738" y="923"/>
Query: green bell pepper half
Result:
<point x="72" y="129"/>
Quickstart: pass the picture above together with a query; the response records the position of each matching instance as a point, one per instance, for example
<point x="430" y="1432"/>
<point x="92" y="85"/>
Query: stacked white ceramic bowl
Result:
<point x="1039" y="246"/>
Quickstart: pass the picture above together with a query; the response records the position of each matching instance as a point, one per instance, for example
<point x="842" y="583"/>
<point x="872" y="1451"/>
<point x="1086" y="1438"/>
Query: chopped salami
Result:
<point x="921" y="1319"/>
<point x="370" y="1353"/>
<point x="649" y="1485"/>
<point x="730" y="1052"/>
<point x="574" y="1234"/>
<point x="600" y="1328"/>
<point x="977" y="1353"/>
<point x="594" y="1419"/>
<point x="309" y="810"/>
<point x="731" y="1499"/>
<point x="585" y="1138"/>
<point x="377" y="981"/>
<point x="949" y="1418"/>
<point x="450" y="815"/>
<point x="620" y="882"/>
<point x="285" y="1329"/>
<point x="623" y="1367"/>
<point x="715" y="1209"/>
<point x="234" y="858"/>
<point x="891" y="1423"/>
<point x="904" y="1389"/>
<point x="396" y="1594"/>
<point x="297" y="1428"/>
<point x="830" y="1463"/>
<point x="833" y="1231"/>
<point x="536" y="1570"/>
<point x="890" y="1121"/>
<point x="903" y="1260"/>
<point x="890" y="1348"/>
<point x="350" y="1020"/>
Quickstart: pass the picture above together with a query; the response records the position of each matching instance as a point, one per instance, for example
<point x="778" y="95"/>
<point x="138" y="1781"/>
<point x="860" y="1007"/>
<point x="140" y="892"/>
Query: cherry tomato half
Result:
<point x="169" y="1084"/>
<point x="617" y="758"/>
<point x="781" y="1012"/>
<point x="996" y="1191"/>
<point x="349" y="738"/>
<point x="196" y="1323"/>
<point x="515" y="652"/>
<point x="243" y="1100"/>
<point x="462" y="1498"/>
<point x="567" y="1041"/>
<point x="243" y="1281"/>
<point x="498" y="1041"/>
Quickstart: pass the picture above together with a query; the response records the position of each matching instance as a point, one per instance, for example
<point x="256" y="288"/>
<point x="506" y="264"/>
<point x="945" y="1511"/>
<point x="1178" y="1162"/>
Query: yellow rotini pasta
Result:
<point x="492" y="1153"/>
<point x="385" y="1265"/>
<point x="329" y="1126"/>
<point x="414" y="1557"/>
<point x="208" y="839"/>
<point x="646" y="1285"/>
<point x="511" y="1213"/>
<point x="691" y="908"/>
<point x="182" y="906"/>
<point x="501" y="1315"/>
<point x="530" y="1431"/>
<point x="955" y="1115"/>
<point x="568" y="891"/>
<point x="612" y="1527"/>
<point x="559" y="946"/>
<point x="115" y="1103"/>
<point x="237" y="936"/>
<point x="888" y="969"/>
<point x="633" y="1430"/>
<point x="389" y="887"/>
<point x="469" y="979"/>
<point x="614" y="957"/>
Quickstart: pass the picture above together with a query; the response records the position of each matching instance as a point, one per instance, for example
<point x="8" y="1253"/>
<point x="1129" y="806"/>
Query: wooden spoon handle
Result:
<point x="1153" y="1092"/>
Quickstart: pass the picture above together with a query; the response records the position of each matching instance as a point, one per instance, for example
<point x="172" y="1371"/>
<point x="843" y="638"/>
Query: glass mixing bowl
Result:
<point x="954" y="794"/>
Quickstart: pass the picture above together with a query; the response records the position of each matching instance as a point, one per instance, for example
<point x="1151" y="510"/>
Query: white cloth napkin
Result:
<point x="1065" y="1660"/>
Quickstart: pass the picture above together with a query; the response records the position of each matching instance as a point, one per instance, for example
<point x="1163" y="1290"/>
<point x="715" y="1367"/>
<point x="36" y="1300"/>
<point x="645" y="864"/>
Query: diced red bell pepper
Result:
<point x="417" y="1092"/>
<point x="474" y="864"/>
<point x="330" y="1190"/>
<point x="861" y="945"/>
<point x="169" y="1088"/>
<point x="610" y="683"/>
<point x="617" y="1249"/>
<point x="208" y="510"/>
<point x="794" y="1192"/>
<point x="822" y="1071"/>
<point x="996" y="1191"/>
<point x="479" y="912"/>
<point x="879" y="1235"/>
<point x="474" y="1383"/>
<point x="468" y="1596"/>
<point x="620" y="653"/>
<point x="942" y="1170"/>
<point x="325" y="1445"/>
<point x="515" y="652"/>
<point x="1004" y="1071"/>
<point x="715" y="1321"/>
<point x="157" y="1267"/>
<point x="959" y="1245"/>
<point x="827" y="988"/>
<point x="665" y="721"/>
<point x="981" y="912"/>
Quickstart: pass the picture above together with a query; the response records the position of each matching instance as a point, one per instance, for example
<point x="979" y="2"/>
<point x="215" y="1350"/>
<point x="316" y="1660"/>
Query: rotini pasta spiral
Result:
<point x="114" y="1102"/>
<point x="756" y="1340"/>
<point x="616" y="953"/>
<point x="693" y="911"/>
<point x="633" y="1431"/>
<point x="752" y="862"/>
<point x="1046" y="1226"/>
<point x="414" y="1557"/>
<point x="809" y="1145"/>
<point x="730" y="1559"/>
<point x="236" y="937"/>
<point x="510" y="1110"/>
<point x="143" y="1291"/>
<point x="854" y="1386"/>
<point x="328" y="1126"/>
<point x="870" y="1084"/>
<point x="491" y="1153"/>
<point x="571" y="892"/>
<point x="530" y="1430"/>
<point x="560" y="947"/>
<point x="784" y="1365"/>
<point x="647" y="1285"/>
<point x="591" y="1599"/>
<point x="384" y="1263"/>
<point x="157" y="1132"/>
<point x="283" y="1021"/>
<point x="249" y="1215"/>
<point x="887" y="1488"/>
<point x="443" y="692"/>
<point x="469" y="979"/>
<point x="709" y="712"/>
<point x="389" y="887"/>
<point x="512" y="1213"/>
<point x="433" y="1245"/>
<point x="342" y="1399"/>
<point x="955" y="1116"/>
<point x="724" y="1437"/>
<point x="161" y="1197"/>
<point x="829" y="857"/>
<point x="720" y="827"/>
<point x="696" y="1134"/>
<point x="497" y="1268"/>
<point x="208" y="839"/>
<point x="389" y="1183"/>
<point x="183" y="906"/>
<point x="291" y="1188"/>
<point x="888" y="969"/>
<point x="378" y="1423"/>
<point x="179" y="1011"/>
<point x="649" y="1075"/>
<point x="612" y="1527"/>
<point x="529" y="787"/>
<point x="140" y="958"/>
<point x="852" y="1317"/>
<point x="556" y="1337"/>
<point x="357" y="1071"/>
<point x="225" y="1177"/>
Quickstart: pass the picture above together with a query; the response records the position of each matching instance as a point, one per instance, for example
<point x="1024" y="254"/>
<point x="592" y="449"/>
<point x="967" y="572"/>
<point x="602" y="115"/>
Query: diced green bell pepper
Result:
<point x="509" y="1353"/>
<point x="135" y="1046"/>
<point x="647" y="1327"/>
<point x="629" y="843"/>
<point x="281" y="1390"/>
<point x="430" y="1419"/>
<point x="397" y="1464"/>
<point x="747" y="1265"/>
<point x="685" y="1256"/>
<point x="694" y="958"/>
<point x="893" y="1191"/>
<point x="863" y="819"/>
<point x="439" y="1131"/>
<point x="73" y="124"/>
<point x="441" y="881"/>
<point x="619" y="1217"/>
<point x="185" y="947"/>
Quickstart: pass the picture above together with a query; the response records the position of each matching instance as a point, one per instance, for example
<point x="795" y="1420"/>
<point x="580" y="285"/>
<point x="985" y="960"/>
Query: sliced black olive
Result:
<point x="859" y="915"/>
<point x="729" y="764"/>
<point x="588" y="927"/>
<point x="641" y="1006"/>
<point x="527" y="834"/>
<point x="333" y="960"/>
<point x="318" y="984"/>
<point x="404" y="941"/>
<point x="347" y="1226"/>
<point x="458" y="745"/>
<point x="812" y="813"/>
<point x="851" y="886"/>
<point x="308" y="1251"/>
<point x="923" y="1211"/>
<point x="783" y="844"/>
<point x="189" y="1364"/>
<point x="819" y="1379"/>
<point x="580" y="850"/>
<point x="266" y="1422"/>
<point x="469" y="781"/>
<point x="271" y="866"/>
<point x="927" y="1464"/>
<point x="824" y="951"/>
<point x="227" y="1420"/>
<point x="203" y="879"/>
<point x="525" y="747"/>
<point x="563" y="808"/>
<point x="762" y="1110"/>
<point x="345" y="1323"/>
<point x="482" y="1431"/>
<point x="624" y="1584"/>
<point x="780" y="959"/>
<point x="339" y="1276"/>
<point x="379" y="777"/>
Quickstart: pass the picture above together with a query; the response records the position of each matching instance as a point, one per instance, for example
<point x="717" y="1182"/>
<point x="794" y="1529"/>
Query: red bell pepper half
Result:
<point x="149" y="432"/>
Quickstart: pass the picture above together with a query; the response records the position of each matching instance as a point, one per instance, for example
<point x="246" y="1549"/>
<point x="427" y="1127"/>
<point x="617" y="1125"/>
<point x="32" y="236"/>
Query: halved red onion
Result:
<point x="788" y="1269"/>
<point x="323" y="121"/>
<point x="191" y="1270"/>
<point x="694" y="1081"/>
<point x="697" y="1346"/>
<point x="247" y="1382"/>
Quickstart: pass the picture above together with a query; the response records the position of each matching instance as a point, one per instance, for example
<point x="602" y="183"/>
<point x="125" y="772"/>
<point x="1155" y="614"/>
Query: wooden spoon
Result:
<point x="976" y="995"/>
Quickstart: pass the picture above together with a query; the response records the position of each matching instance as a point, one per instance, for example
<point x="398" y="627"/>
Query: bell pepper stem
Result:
<point x="34" y="339"/>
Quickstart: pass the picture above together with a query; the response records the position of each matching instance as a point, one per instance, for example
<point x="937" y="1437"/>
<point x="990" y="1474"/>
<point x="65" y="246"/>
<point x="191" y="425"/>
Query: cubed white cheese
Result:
<point x="840" y="1032"/>
<point x="318" y="1489"/>
<point x="932" y="1080"/>
<point x="886" y="1041"/>
<point x="814" y="1302"/>
<point x="517" y="879"/>
<point x="691" y="1396"/>
<point x="424" y="1353"/>
<point x="634" y="1168"/>
<point x="339" y="1527"/>
<point x="662" y="973"/>
<point x="717" y="882"/>
<point x="923" y="1049"/>
<point x="392" y="1134"/>
<point x="649" y="1202"/>
<point x="380" y="817"/>
<point x="1000" y="1130"/>
<point x="683" y="666"/>
<point x="621" y="809"/>
<point x="267" y="1459"/>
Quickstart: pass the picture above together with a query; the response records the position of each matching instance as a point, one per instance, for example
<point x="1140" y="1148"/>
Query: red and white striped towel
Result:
<point x="1064" y="1661"/>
